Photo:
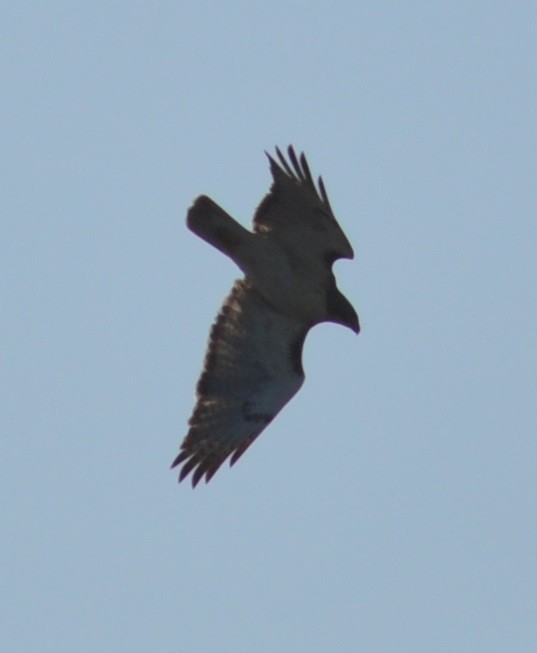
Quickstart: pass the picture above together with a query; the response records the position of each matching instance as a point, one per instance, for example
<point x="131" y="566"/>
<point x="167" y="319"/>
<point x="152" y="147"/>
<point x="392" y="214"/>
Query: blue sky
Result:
<point x="392" y="505"/>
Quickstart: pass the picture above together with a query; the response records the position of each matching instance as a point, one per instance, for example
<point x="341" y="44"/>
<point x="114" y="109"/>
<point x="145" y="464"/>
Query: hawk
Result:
<point x="253" y="363"/>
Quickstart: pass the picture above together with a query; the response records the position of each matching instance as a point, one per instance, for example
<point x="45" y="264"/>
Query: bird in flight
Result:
<point x="253" y="364"/>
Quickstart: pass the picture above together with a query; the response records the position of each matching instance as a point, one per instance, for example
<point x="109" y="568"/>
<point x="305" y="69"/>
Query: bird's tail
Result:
<point x="210" y="222"/>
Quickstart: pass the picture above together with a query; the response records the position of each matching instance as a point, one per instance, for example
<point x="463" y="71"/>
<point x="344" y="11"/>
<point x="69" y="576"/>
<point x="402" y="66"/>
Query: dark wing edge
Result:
<point x="279" y="214"/>
<point x="300" y="173"/>
<point x="220" y="403"/>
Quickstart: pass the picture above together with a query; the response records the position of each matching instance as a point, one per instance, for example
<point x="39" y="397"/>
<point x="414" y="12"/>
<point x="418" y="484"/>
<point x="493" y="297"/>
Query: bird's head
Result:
<point x="341" y="311"/>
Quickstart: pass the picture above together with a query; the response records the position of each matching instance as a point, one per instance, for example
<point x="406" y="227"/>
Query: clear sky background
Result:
<point x="392" y="505"/>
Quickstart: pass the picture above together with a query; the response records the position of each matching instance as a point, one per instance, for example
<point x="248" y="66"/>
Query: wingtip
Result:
<point x="274" y="167"/>
<point x="176" y="460"/>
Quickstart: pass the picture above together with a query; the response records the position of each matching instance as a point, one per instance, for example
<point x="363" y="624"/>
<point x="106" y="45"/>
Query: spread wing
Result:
<point x="252" y="369"/>
<point x="298" y="215"/>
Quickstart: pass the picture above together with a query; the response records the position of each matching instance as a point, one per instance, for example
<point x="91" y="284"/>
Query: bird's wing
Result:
<point x="252" y="369"/>
<point x="298" y="215"/>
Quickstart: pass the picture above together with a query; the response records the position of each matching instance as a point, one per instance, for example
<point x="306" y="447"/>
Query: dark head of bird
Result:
<point x="341" y="311"/>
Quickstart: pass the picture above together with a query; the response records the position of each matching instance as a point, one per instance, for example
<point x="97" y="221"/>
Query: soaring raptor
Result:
<point x="253" y="363"/>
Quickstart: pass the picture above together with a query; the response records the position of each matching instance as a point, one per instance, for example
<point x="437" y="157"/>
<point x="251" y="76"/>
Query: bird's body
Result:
<point x="253" y="363"/>
<point x="294" y="285"/>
